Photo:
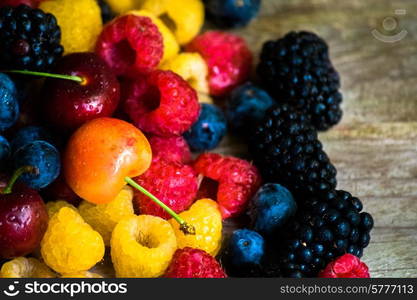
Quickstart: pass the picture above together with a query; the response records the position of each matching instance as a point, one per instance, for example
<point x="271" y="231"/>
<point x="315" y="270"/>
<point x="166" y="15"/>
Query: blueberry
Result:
<point x="4" y="151"/>
<point x="29" y="134"/>
<point x="247" y="106"/>
<point x="232" y="13"/>
<point x="8" y="83"/>
<point x="246" y="247"/>
<point x="271" y="207"/>
<point x="9" y="106"/>
<point x="209" y="129"/>
<point x="44" y="157"/>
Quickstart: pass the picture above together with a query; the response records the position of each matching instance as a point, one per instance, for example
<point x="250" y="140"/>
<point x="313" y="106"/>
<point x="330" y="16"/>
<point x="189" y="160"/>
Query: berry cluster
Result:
<point x="324" y="228"/>
<point x="30" y="39"/>
<point x="286" y="148"/>
<point x="111" y="149"/>
<point x="297" y="70"/>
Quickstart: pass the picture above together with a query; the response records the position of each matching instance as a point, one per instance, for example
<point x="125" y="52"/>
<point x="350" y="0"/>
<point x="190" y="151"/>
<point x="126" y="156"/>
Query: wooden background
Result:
<point x="375" y="146"/>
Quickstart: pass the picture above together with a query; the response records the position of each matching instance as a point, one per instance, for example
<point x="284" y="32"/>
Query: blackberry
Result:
<point x="297" y="70"/>
<point x="30" y="39"/>
<point x="106" y="13"/>
<point x="286" y="149"/>
<point x="325" y="227"/>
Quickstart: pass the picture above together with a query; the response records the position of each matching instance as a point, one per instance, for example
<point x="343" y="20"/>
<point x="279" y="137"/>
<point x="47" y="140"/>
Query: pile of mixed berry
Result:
<point x="105" y="139"/>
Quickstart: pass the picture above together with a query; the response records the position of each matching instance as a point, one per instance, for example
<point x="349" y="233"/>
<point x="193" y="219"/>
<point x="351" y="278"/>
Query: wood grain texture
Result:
<point x="375" y="146"/>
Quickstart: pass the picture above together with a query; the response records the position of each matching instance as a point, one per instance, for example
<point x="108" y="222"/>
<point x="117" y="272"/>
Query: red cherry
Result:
<point x="68" y="104"/>
<point x="23" y="222"/>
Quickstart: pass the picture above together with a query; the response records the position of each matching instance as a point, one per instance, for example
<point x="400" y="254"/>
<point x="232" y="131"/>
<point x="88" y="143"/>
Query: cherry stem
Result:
<point x="184" y="226"/>
<point x="19" y="172"/>
<point x="49" y="75"/>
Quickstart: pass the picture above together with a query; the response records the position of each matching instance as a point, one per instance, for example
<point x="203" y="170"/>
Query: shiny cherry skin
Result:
<point x="100" y="154"/>
<point x="69" y="104"/>
<point x="23" y="221"/>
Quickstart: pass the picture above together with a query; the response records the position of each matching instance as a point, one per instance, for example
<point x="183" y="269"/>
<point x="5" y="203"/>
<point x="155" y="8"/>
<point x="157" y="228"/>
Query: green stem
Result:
<point x="49" y="75"/>
<point x="184" y="226"/>
<point x="19" y="172"/>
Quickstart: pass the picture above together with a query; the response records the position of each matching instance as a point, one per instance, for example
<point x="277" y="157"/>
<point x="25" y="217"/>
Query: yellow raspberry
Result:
<point x="122" y="6"/>
<point x="184" y="17"/>
<point x="80" y="22"/>
<point x="53" y="207"/>
<point x="192" y="68"/>
<point x="171" y="47"/>
<point x="104" y="217"/>
<point x="205" y="216"/>
<point x="70" y="245"/>
<point x="85" y="274"/>
<point x="142" y="246"/>
<point x="204" y="98"/>
<point x="22" y="267"/>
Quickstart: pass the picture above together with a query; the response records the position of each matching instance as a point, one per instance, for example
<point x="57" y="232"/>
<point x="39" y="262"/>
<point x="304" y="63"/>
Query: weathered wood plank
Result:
<point x="391" y="253"/>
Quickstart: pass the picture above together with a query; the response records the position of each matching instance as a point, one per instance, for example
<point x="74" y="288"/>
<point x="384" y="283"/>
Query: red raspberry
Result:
<point x="130" y="44"/>
<point x="171" y="182"/>
<point x="163" y="103"/>
<point x="237" y="179"/>
<point x="194" y="263"/>
<point x="170" y="148"/>
<point x="346" y="266"/>
<point x="228" y="58"/>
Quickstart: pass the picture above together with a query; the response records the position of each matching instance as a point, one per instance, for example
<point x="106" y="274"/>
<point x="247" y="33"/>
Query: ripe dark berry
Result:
<point x="310" y="248"/>
<point x="286" y="149"/>
<point x="246" y="255"/>
<point x="209" y="130"/>
<point x="367" y="222"/>
<point x="106" y="13"/>
<point x="30" y="39"/>
<point x="247" y="105"/>
<point x="271" y="207"/>
<point x="297" y="70"/>
<point x="232" y="13"/>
